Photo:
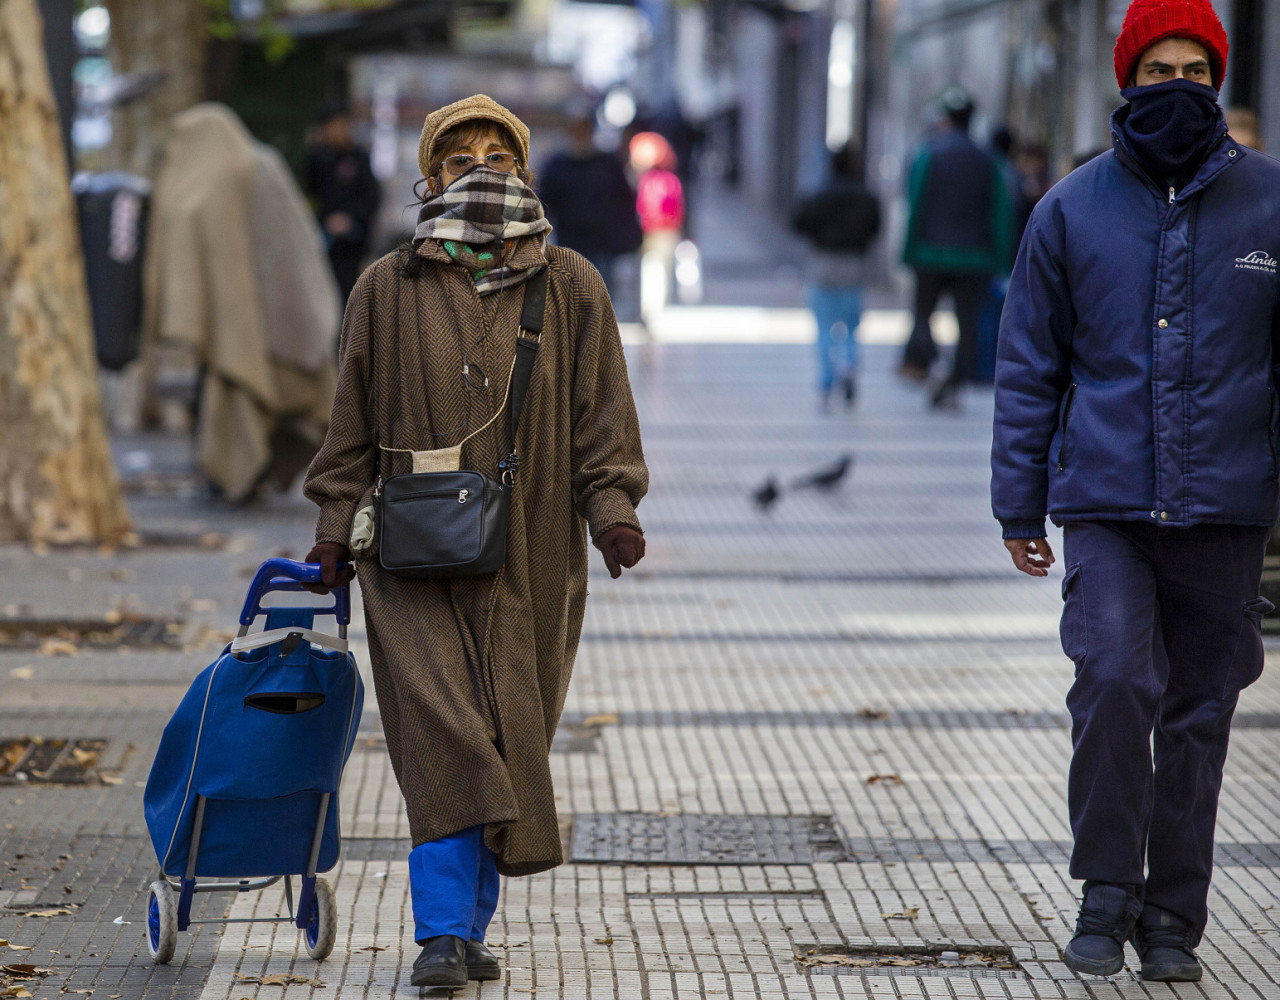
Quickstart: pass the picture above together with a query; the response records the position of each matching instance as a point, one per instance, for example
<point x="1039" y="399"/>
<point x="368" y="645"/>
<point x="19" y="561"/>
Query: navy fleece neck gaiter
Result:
<point x="1171" y="127"/>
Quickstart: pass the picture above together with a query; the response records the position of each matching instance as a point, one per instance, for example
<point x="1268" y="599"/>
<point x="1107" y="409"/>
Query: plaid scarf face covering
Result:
<point x="483" y="209"/>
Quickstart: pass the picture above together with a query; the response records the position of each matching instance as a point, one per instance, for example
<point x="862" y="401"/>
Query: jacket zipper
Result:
<point x="1172" y="195"/>
<point x="1066" y="416"/>
<point x="1271" y="411"/>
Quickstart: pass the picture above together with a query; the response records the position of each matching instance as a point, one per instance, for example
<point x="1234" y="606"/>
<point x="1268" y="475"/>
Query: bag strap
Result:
<point x="531" y="319"/>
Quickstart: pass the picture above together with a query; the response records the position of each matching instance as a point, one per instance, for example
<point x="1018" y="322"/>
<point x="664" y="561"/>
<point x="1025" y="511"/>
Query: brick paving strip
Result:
<point x="798" y="746"/>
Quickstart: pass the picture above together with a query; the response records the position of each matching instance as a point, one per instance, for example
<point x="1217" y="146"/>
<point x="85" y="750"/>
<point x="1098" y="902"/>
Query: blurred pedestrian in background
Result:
<point x="840" y="220"/>
<point x="590" y="202"/>
<point x="660" y="203"/>
<point x="471" y="672"/>
<point x="236" y="280"/>
<point x="345" y="193"/>
<point x="1136" y="406"/>
<point x="959" y="234"/>
<point x="1244" y="128"/>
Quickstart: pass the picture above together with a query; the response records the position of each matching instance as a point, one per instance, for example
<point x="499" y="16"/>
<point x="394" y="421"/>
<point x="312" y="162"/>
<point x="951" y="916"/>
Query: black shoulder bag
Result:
<point x="447" y="524"/>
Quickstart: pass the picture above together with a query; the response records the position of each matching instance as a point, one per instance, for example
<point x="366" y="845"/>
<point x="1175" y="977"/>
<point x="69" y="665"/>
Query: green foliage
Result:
<point x="276" y="42"/>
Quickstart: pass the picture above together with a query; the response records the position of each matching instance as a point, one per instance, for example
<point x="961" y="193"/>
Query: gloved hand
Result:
<point x="328" y="555"/>
<point x="621" y="547"/>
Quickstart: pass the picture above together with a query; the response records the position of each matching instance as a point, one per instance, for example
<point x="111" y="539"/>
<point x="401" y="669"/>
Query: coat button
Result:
<point x="1164" y="515"/>
<point x="1154" y="514"/>
<point x="1163" y="323"/>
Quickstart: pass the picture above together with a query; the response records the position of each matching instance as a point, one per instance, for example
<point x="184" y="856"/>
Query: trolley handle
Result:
<point x="288" y="574"/>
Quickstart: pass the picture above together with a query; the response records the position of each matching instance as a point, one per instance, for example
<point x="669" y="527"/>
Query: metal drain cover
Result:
<point x="50" y="762"/>
<point x="655" y="839"/>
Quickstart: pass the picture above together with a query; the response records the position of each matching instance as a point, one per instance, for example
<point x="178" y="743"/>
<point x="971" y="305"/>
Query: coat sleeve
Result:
<point x="1033" y="368"/>
<point x="609" y="475"/>
<point x="343" y="469"/>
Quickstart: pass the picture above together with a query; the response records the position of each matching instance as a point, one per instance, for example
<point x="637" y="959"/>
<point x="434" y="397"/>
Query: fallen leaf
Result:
<point x="910" y="913"/>
<point x="65" y="990"/>
<point x="820" y="692"/>
<point x="22" y="969"/>
<point x="85" y="758"/>
<point x="604" y="940"/>
<point x="874" y="713"/>
<point x="607" y="719"/>
<point x="884" y="779"/>
<point x="61" y="911"/>
<point x="111" y="779"/>
<point x="5" y="943"/>
<point x="58" y="647"/>
<point x="281" y="979"/>
<point x="22" y="673"/>
<point x="375" y="947"/>
<point x="902" y="962"/>
<point x="17" y="992"/>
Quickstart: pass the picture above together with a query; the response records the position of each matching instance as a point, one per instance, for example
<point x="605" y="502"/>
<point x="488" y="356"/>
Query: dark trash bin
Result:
<point x="113" y="227"/>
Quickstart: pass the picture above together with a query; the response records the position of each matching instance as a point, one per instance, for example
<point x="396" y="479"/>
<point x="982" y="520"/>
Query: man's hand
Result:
<point x="1031" y="555"/>
<point x="622" y="547"/>
<point x="328" y="555"/>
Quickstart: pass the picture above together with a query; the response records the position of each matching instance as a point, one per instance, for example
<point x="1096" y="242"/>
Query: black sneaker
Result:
<point x="1106" y="919"/>
<point x="442" y="962"/>
<point x="1165" y="943"/>
<point x="482" y="964"/>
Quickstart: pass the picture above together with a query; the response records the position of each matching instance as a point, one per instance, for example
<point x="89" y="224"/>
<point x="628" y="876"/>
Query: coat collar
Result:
<point x="1224" y="153"/>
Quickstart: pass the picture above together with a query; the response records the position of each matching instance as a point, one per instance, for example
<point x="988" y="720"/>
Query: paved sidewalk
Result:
<point x="805" y="751"/>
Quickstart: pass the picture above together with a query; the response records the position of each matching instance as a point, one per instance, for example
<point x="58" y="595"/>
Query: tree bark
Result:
<point x="57" y="480"/>
<point x="166" y="36"/>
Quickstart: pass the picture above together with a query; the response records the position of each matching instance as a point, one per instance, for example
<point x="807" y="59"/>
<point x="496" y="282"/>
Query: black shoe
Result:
<point x="482" y="964"/>
<point x="1165" y="943"/>
<point x="850" y="391"/>
<point x="443" y="962"/>
<point x="913" y="372"/>
<point x="1106" y="919"/>
<point x="946" y="396"/>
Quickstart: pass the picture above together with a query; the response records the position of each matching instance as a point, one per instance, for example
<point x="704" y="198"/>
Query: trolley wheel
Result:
<point x="322" y="922"/>
<point x="162" y="922"/>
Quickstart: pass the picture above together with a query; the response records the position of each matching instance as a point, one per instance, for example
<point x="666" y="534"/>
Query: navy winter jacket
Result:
<point x="1136" y="373"/>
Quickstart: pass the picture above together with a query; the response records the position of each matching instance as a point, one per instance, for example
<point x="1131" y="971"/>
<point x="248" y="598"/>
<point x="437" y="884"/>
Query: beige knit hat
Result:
<point x="477" y="107"/>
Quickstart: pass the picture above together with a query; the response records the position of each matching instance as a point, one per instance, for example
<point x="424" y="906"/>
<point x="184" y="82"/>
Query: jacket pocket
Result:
<point x="1246" y="664"/>
<point x="1073" y="629"/>
<point x="1063" y="421"/>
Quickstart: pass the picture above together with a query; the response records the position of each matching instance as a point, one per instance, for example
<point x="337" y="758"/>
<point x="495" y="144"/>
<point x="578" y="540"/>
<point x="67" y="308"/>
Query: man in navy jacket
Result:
<point x="1136" y="406"/>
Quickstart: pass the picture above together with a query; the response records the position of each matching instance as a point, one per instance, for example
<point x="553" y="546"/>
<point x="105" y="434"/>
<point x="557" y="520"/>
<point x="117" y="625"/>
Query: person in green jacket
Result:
<point x="959" y="235"/>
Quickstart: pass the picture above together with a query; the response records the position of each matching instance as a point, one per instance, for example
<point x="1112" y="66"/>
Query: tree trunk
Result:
<point x="165" y="36"/>
<point x="57" y="480"/>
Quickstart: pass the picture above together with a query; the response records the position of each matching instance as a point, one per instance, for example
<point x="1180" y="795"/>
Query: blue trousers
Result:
<point x="1164" y="626"/>
<point x="837" y="311"/>
<point x="454" y="884"/>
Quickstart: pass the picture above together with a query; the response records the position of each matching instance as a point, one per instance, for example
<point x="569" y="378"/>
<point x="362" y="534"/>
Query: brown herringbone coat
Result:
<point x="471" y="674"/>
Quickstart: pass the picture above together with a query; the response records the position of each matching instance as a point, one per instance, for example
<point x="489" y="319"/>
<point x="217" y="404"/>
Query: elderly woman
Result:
<point x="471" y="671"/>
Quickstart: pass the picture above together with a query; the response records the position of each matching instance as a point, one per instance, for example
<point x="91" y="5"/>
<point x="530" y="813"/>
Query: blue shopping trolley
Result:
<point x="243" y="791"/>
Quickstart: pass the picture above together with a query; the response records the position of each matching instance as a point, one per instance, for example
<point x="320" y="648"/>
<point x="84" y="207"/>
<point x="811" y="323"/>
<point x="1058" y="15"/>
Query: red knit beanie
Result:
<point x="1151" y="21"/>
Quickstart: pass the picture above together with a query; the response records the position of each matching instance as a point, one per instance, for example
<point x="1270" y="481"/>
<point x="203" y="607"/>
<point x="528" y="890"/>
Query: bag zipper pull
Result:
<point x="377" y="488"/>
<point x="462" y="495"/>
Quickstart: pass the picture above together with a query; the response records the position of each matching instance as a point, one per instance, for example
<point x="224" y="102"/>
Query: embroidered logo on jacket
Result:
<point x="1259" y="260"/>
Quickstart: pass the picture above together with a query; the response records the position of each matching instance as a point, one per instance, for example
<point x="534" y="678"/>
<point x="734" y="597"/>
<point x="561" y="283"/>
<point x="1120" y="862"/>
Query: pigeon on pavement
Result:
<point x="828" y="477"/>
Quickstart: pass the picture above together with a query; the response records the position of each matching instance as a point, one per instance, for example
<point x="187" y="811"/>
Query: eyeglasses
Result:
<point x="462" y="162"/>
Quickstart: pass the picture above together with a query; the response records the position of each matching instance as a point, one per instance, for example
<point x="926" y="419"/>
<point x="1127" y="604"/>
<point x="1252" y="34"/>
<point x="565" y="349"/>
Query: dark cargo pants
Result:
<point x="1164" y="627"/>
